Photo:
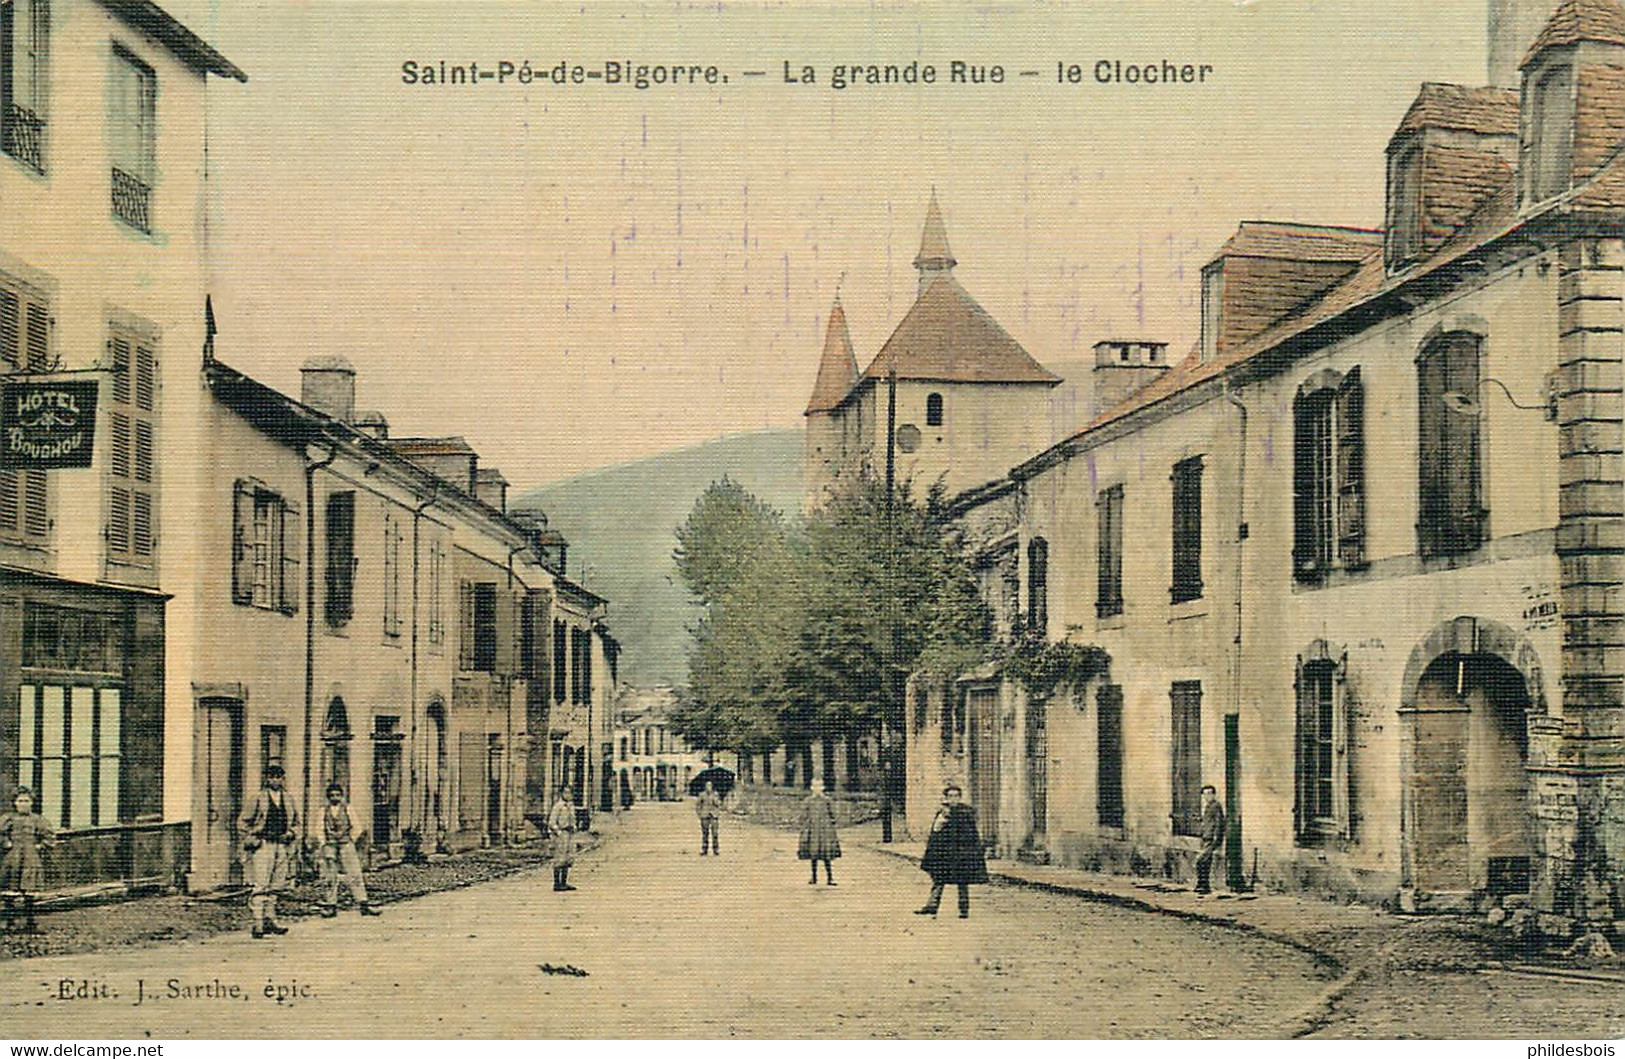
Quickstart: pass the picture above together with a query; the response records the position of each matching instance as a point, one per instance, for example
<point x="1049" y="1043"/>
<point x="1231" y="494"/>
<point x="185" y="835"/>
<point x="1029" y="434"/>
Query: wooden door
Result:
<point x="1439" y="800"/>
<point x="982" y="704"/>
<point x="222" y="744"/>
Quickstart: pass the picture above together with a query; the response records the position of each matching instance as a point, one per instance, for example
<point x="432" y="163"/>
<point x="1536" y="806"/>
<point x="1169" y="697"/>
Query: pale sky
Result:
<point x="576" y="276"/>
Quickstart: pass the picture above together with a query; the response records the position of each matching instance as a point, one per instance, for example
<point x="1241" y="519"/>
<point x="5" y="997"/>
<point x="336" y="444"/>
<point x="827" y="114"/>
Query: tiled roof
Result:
<point x="1455" y="182"/>
<point x="453" y="446"/>
<point x="1599" y="119"/>
<point x="1489" y="110"/>
<point x="1606" y="190"/>
<point x="1577" y="20"/>
<point x="838" y="368"/>
<point x="1300" y="242"/>
<point x="948" y="337"/>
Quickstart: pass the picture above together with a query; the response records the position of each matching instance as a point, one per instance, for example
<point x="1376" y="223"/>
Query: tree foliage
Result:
<point x="809" y="632"/>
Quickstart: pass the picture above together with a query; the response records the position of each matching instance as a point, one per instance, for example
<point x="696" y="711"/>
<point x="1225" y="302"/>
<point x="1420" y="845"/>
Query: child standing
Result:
<point x="341" y="829"/>
<point x="23" y="833"/>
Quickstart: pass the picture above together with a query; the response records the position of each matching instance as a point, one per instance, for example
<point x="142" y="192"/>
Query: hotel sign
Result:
<point x="46" y="425"/>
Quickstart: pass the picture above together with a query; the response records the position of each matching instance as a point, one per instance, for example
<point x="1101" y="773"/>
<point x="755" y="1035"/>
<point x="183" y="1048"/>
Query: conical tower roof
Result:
<point x="838" y="368"/>
<point x="934" y="252"/>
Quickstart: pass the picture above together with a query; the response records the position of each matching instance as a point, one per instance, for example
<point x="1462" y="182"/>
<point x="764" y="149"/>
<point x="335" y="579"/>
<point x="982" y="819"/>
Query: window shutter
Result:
<point x="1343" y="749"/>
<point x="118" y="349"/>
<point x="242" y="543"/>
<point x="11" y="310"/>
<point x="39" y="336"/>
<point x="465" y="625"/>
<point x="506" y="629"/>
<point x="292" y="543"/>
<point x="1351" y="471"/>
<point x="558" y="661"/>
<point x="340" y="579"/>
<point x="1462" y="376"/>
<point x="1303" y="488"/>
<point x="1304" y="765"/>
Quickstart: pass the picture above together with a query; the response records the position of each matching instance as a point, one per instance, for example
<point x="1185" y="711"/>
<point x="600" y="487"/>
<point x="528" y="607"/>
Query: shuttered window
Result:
<point x="265" y="549"/>
<point x="1187" y="535"/>
<point x="1324" y="788"/>
<point x="436" y="592"/>
<point x="559" y="665"/>
<point x="1109" y="755"/>
<point x="132" y="137"/>
<point x="483" y="619"/>
<point x="1329" y="478"/>
<point x="132" y="465"/>
<point x="24" y="49"/>
<point x="1038" y="586"/>
<point x="392" y="573"/>
<point x="341" y="559"/>
<point x="1186" y="757"/>
<point x="1451" y="519"/>
<point x="25" y="340"/>
<point x="1109" y="552"/>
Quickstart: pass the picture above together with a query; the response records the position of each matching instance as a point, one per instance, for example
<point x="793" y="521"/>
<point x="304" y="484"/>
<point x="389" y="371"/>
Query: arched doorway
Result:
<point x="1468" y="827"/>
<point x="336" y="736"/>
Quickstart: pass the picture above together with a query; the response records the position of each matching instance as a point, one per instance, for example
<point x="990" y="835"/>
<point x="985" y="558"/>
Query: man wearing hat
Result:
<point x="953" y="853"/>
<point x="269" y="825"/>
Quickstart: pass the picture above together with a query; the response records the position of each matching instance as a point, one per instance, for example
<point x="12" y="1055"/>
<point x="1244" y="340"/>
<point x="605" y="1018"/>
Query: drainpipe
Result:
<point x="1233" y="839"/>
<point x="507" y="711"/>
<point x="421" y="803"/>
<point x="310" y="615"/>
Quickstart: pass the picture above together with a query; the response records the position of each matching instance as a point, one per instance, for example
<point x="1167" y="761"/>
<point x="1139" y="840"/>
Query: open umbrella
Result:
<point x="720" y="778"/>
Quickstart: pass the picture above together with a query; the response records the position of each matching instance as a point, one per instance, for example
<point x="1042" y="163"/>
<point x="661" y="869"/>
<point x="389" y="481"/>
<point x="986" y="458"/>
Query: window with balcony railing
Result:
<point x="132" y="134"/>
<point x="24" y="28"/>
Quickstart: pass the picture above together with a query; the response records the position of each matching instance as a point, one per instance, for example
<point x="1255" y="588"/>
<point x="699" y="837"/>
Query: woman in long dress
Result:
<point x="820" y="840"/>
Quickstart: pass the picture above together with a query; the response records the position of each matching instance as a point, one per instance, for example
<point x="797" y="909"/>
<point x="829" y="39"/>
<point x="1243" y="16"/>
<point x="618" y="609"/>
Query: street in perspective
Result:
<point x="1081" y="521"/>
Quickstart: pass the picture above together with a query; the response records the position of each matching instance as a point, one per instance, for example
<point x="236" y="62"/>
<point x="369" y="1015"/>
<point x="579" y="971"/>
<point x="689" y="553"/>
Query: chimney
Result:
<point x="372" y="424"/>
<point x="491" y="489"/>
<point x="1123" y="366"/>
<point x="1513" y="26"/>
<point x="329" y="387"/>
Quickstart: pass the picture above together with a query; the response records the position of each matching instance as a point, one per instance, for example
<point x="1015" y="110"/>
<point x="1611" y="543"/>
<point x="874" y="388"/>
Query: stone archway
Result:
<point x="1471" y="689"/>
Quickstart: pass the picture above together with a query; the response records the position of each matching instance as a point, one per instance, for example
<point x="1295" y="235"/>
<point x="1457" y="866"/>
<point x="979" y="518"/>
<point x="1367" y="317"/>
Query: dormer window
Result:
<point x="1212" y="302"/>
<point x="1549" y="148"/>
<point x="1404" y="205"/>
<point x="23" y="30"/>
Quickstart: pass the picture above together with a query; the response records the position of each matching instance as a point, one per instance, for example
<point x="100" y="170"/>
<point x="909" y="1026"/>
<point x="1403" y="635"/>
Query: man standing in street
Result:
<point x="709" y="808"/>
<point x="341" y="829"/>
<point x="561" y="828"/>
<point x="269" y="826"/>
<point x="953" y="853"/>
<point x="1212" y="835"/>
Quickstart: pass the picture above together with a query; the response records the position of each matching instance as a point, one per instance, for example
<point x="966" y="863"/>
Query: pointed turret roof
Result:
<point x="1577" y="20"/>
<point x="948" y="337"/>
<point x="838" y="368"/>
<point x="934" y="250"/>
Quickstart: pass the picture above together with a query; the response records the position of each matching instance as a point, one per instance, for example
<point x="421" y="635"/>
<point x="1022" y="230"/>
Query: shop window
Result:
<point x="69" y="752"/>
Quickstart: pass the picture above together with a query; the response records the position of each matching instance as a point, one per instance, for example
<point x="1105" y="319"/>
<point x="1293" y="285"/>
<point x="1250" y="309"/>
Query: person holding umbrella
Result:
<point x="709" y="788"/>
<point x="953" y="853"/>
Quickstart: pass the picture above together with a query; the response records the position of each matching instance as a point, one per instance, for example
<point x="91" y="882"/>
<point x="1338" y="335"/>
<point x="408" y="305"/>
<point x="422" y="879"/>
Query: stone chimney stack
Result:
<point x="1513" y="26"/>
<point x="491" y="489"/>
<point x="329" y="387"/>
<point x="1123" y="366"/>
<point x="372" y="424"/>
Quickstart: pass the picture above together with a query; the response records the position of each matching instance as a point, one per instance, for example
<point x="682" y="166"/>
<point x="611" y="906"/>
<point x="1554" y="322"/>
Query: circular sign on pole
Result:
<point x="908" y="437"/>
